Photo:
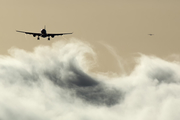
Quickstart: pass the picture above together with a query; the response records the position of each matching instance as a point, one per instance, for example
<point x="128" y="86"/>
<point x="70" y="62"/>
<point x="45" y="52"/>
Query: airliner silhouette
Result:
<point x="43" y="33"/>
<point x="150" y="34"/>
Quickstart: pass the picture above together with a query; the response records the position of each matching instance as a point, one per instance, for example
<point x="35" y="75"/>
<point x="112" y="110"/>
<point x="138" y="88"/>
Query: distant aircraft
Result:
<point x="151" y="34"/>
<point x="43" y="33"/>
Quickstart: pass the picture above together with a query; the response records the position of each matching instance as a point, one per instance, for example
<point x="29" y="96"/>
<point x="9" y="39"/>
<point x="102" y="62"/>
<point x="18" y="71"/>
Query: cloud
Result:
<point x="53" y="83"/>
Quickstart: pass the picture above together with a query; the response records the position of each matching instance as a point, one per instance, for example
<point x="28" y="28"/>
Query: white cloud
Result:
<point x="53" y="83"/>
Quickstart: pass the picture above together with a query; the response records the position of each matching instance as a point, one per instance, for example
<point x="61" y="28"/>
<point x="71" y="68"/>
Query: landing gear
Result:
<point x="38" y="38"/>
<point x="48" y="38"/>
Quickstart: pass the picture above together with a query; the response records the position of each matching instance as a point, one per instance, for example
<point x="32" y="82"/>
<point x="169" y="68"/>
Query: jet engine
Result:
<point x="34" y="35"/>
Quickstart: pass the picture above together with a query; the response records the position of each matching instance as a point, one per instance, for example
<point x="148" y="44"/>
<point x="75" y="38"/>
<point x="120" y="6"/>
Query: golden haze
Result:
<point x="123" y="25"/>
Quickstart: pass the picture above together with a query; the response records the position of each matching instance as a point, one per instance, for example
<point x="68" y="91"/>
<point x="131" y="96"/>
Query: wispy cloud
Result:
<point x="53" y="83"/>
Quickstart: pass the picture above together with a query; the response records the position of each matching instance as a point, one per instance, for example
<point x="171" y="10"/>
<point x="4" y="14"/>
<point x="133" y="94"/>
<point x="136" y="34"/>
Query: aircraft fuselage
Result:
<point x="43" y="33"/>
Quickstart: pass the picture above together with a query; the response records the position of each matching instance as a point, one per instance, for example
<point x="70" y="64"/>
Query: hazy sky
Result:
<point x="122" y="24"/>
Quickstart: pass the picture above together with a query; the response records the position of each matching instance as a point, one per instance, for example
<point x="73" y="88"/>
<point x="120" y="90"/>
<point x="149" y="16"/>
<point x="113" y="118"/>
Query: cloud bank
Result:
<point x="54" y="83"/>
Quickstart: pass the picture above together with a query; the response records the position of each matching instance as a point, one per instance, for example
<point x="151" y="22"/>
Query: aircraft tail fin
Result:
<point x="45" y="27"/>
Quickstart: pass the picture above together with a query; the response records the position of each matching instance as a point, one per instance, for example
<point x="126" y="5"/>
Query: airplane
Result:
<point x="151" y="34"/>
<point x="43" y="33"/>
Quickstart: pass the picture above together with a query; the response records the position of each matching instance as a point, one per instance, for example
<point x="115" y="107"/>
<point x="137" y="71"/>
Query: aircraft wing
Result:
<point x="29" y="33"/>
<point x="56" y="34"/>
